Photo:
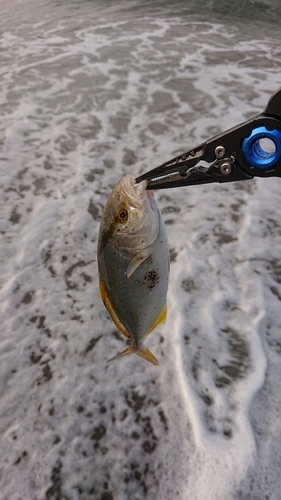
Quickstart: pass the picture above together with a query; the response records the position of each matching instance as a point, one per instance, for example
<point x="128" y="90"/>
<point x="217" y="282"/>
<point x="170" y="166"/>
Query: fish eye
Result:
<point x="122" y="214"/>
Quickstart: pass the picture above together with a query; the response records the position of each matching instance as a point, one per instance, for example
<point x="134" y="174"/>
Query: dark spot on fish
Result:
<point x="152" y="278"/>
<point x="102" y="409"/>
<point x="80" y="409"/>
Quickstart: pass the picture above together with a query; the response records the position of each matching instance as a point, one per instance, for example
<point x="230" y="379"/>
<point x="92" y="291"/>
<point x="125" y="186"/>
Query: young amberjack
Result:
<point x="133" y="261"/>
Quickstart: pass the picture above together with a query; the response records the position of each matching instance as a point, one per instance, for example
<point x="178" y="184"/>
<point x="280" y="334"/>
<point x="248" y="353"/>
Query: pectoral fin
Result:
<point x="136" y="262"/>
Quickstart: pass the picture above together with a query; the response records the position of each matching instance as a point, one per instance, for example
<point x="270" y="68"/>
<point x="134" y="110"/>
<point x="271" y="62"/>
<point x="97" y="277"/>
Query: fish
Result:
<point x="133" y="264"/>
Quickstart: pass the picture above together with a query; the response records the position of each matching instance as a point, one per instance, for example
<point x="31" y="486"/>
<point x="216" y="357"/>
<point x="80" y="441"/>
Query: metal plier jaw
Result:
<point x="252" y="148"/>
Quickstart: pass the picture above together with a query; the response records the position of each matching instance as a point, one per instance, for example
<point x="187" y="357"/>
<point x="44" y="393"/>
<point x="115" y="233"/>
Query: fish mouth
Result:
<point x="136" y="192"/>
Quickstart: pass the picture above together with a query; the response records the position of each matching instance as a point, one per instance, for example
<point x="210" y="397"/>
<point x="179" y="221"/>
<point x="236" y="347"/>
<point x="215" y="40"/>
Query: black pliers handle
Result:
<point x="250" y="149"/>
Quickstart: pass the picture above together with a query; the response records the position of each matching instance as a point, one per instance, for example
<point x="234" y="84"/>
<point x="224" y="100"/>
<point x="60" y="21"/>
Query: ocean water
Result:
<point x="90" y="91"/>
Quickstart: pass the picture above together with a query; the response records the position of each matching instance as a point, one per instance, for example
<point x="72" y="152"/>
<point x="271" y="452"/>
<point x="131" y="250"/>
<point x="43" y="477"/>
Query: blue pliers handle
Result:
<point x="252" y="148"/>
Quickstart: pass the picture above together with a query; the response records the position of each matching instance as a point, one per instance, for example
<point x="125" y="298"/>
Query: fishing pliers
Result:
<point x="252" y="148"/>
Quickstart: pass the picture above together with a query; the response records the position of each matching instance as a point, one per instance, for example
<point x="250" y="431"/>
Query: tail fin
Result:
<point x="121" y="354"/>
<point x="145" y="353"/>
